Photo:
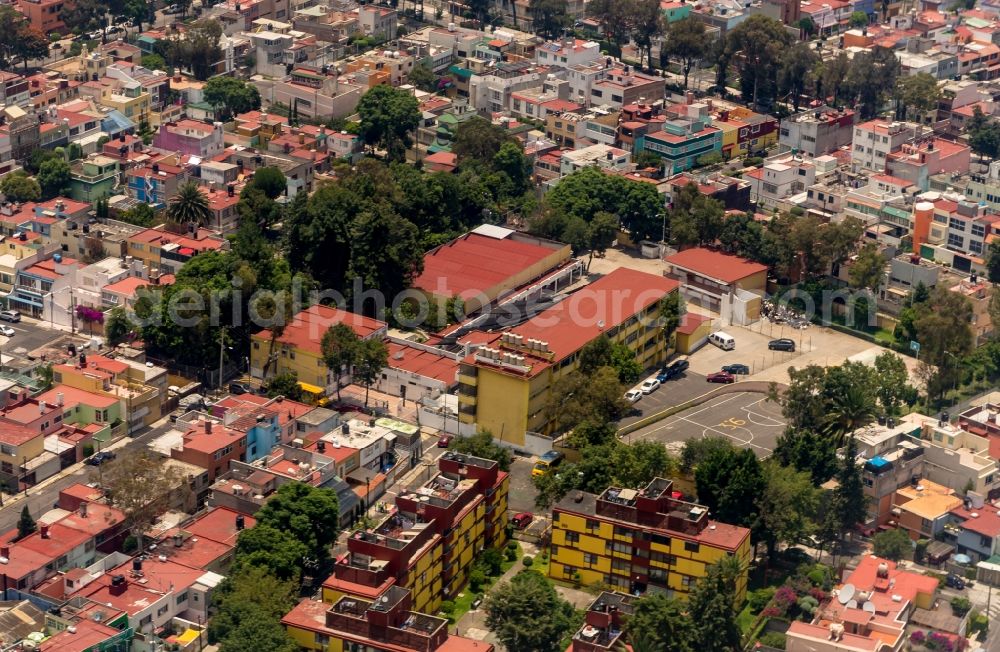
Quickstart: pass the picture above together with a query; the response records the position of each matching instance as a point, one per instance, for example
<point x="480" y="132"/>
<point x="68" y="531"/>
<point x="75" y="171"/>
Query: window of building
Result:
<point x="589" y="558"/>
<point x="592" y="524"/>
<point x="572" y="537"/>
<point x="955" y="240"/>
<point x="621" y="547"/>
<point x="958" y="225"/>
<point x="692" y="546"/>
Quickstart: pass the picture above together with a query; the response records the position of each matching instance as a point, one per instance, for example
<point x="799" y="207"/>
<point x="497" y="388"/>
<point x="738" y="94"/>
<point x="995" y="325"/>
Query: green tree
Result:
<point x="287" y="385"/>
<point x="373" y="356"/>
<point x="647" y="24"/>
<point x="483" y="445"/>
<point x="712" y="608"/>
<point x="190" y="205"/>
<point x="31" y="44"/>
<point x="992" y="258"/>
<point x="868" y="268"/>
<point x="858" y="19"/>
<point x="795" y="72"/>
<point x="25" y="525"/>
<point x="892" y="382"/>
<point x="850" y="505"/>
<point x="154" y="62"/>
<point x="388" y="117"/>
<point x="807" y="26"/>
<point x="281" y="554"/>
<point x="614" y="18"/>
<point x="595" y="354"/>
<point x="760" y="42"/>
<point x="694" y="218"/>
<point x="660" y="623"/>
<point x="229" y="95"/>
<point x="54" y="178"/>
<point x="672" y="311"/>
<point x="728" y="483"/>
<point x="479" y="139"/>
<point x="624" y="361"/>
<point x="601" y="234"/>
<point x="19" y="187"/>
<point x="809" y="451"/>
<point x="423" y="78"/>
<point x="942" y="326"/>
<point x="269" y="180"/>
<point x="695" y="451"/>
<point x="385" y="253"/>
<point x="893" y="545"/>
<point x="851" y="407"/>
<point x="252" y="594"/>
<point x="117" y="326"/>
<point x="310" y="514"/>
<point x="594" y="398"/>
<point x="687" y="43"/>
<point x="340" y="346"/>
<point x="139" y="215"/>
<point x="984" y="134"/>
<point x="871" y="78"/>
<point x="526" y="613"/>
<point x="549" y="17"/>
<point x="787" y="506"/>
<point x="917" y="95"/>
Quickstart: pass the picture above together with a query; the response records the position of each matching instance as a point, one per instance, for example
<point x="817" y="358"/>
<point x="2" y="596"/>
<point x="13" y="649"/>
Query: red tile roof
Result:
<point x="715" y="264"/>
<point x="601" y="305"/>
<point x="307" y="327"/>
<point x="474" y="264"/>
<point x="423" y="363"/>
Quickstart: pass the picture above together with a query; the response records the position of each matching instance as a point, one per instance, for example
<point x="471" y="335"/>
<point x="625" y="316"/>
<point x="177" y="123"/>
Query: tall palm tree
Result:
<point x="190" y="204"/>
<point x="850" y="409"/>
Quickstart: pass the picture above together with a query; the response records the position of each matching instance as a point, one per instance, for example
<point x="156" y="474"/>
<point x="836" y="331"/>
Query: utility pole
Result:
<point x="222" y="346"/>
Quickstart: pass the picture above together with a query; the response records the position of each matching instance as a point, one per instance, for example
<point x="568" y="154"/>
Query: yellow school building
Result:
<point x="504" y="386"/>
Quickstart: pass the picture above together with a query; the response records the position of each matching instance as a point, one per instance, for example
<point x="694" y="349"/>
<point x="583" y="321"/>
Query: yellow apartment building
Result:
<point x="116" y="379"/>
<point x="639" y="540"/>
<point x="298" y="348"/>
<point x="430" y="539"/>
<point x="504" y="387"/>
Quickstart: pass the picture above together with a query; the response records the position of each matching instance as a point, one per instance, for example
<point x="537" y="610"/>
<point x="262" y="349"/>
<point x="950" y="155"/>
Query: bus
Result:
<point x="547" y="462"/>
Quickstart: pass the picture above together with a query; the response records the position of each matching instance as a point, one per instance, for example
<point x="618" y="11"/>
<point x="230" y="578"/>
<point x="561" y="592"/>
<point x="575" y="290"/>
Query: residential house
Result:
<point x="190" y="137"/>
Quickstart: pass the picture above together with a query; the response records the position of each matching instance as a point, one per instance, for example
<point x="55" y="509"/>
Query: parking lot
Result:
<point x="747" y="418"/>
<point x="673" y="392"/>
<point x="813" y="345"/>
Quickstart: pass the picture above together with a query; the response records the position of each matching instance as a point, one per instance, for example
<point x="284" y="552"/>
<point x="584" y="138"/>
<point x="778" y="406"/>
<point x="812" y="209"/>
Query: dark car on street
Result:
<point x="782" y="344"/>
<point x="673" y="370"/>
<point x="737" y="369"/>
<point x="100" y="458"/>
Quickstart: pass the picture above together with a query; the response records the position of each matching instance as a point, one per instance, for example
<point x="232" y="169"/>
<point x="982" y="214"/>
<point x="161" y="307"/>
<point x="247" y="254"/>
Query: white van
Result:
<point x="722" y="340"/>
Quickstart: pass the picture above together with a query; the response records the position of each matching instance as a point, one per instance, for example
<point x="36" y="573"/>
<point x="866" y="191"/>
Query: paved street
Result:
<point x="673" y="392"/>
<point x="41" y="498"/>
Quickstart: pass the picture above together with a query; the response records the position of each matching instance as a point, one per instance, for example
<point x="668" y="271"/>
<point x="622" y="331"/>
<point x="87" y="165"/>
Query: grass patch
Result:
<point x="463" y="601"/>
<point x="745" y="620"/>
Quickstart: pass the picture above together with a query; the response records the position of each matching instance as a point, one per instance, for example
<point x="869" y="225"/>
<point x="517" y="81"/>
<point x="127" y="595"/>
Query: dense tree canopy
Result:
<point x="527" y="614"/>
<point x="388" y="118"/>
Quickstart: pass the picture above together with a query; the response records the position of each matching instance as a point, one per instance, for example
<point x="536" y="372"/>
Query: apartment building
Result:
<point x="155" y="183"/>
<point x="892" y="458"/>
<point x="297" y="349"/>
<point x="504" y="386"/>
<point x="387" y="621"/>
<point x="190" y="137"/>
<point x="166" y="252"/>
<point x="974" y="529"/>
<point x="600" y="155"/>
<point x="641" y="540"/>
<point x="917" y="162"/>
<point x="211" y="446"/>
<point x="874" y="140"/>
<point x="317" y="93"/>
<point x="141" y="389"/>
<point x="782" y="182"/>
<point x="430" y="538"/>
<point x="952" y="230"/>
<point x="621" y="85"/>
<point x="93" y="178"/>
<point x="682" y="140"/>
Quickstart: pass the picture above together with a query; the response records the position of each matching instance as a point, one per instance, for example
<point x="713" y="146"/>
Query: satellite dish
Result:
<point x="868" y="607"/>
<point x="846" y="593"/>
<point x="852" y="604"/>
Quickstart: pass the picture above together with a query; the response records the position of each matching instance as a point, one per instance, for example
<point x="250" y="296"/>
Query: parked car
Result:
<point x="737" y="369"/>
<point x="100" y="458"/>
<point x="7" y="331"/>
<point x="444" y="441"/>
<point x="954" y="582"/>
<point x="782" y="344"/>
<point x="649" y="385"/>
<point x="721" y="377"/>
<point x="633" y="395"/>
<point x="12" y="316"/>
<point x="522" y="520"/>
<point x="240" y="388"/>
<point x="674" y="369"/>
